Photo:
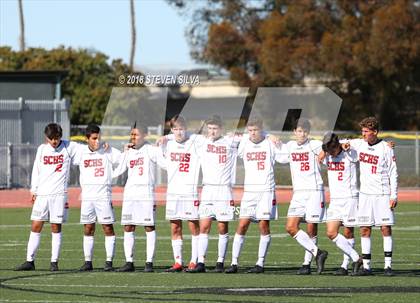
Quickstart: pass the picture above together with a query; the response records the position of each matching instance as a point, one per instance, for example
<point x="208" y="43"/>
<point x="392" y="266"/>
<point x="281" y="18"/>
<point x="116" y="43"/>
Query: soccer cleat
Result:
<point x="127" y="267"/>
<point x="54" y="266"/>
<point x="363" y="272"/>
<point x="191" y="266"/>
<point x="108" y="266"/>
<point x="175" y="268"/>
<point x="320" y="258"/>
<point x="388" y="272"/>
<point x="304" y="270"/>
<point x="27" y="265"/>
<point x="199" y="268"/>
<point x="148" y="267"/>
<point x="356" y="267"/>
<point x="87" y="266"/>
<point x="220" y="267"/>
<point x="256" y="270"/>
<point x="341" y="272"/>
<point x="233" y="269"/>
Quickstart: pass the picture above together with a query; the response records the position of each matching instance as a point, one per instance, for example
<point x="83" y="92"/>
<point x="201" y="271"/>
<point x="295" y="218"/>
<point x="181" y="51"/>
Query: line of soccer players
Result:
<point x="183" y="155"/>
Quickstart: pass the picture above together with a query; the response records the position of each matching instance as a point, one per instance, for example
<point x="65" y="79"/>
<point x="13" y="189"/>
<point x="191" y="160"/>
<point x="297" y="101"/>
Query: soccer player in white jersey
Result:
<point x="50" y="175"/>
<point x="258" y="202"/>
<point x="344" y="193"/>
<point x="95" y="166"/>
<point x="183" y="167"/>
<point x="139" y="206"/>
<point x="218" y="163"/>
<point x="308" y="200"/>
<point x="378" y="191"/>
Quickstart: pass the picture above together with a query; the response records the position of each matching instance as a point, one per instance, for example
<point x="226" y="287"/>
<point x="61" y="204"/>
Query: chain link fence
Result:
<point x="16" y="161"/>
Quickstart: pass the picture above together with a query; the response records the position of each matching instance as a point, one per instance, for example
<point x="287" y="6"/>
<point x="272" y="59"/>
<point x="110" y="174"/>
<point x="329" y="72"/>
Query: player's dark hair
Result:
<point x="303" y="123"/>
<point x="215" y="120"/>
<point x="178" y="120"/>
<point x="370" y="122"/>
<point x="92" y="129"/>
<point x="142" y="128"/>
<point x="53" y="131"/>
<point x="330" y="142"/>
<point x="255" y="122"/>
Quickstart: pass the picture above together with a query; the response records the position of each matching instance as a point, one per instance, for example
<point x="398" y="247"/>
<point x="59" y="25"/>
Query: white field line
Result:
<point x="94" y="286"/>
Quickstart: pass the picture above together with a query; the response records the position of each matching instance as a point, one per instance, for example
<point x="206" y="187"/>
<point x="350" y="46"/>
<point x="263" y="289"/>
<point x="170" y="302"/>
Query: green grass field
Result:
<point x="278" y="284"/>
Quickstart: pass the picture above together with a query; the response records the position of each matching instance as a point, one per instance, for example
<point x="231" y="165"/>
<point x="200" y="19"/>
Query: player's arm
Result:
<point x="159" y="157"/>
<point x="281" y="154"/>
<point x="122" y="165"/>
<point x="35" y="174"/>
<point x="393" y="177"/>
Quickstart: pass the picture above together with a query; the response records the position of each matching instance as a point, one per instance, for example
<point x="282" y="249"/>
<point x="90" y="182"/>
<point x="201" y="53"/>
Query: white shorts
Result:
<point x="100" y="209"/>
<point x="182" y="207"/>
<point x="139" y="211"/>
<point x="374" y="210"/>
<point x="217" y="203"/>
<point x="344" y="210"/>
<point x="309" y="205"/>
<point x="52" y="208"/>
<point x="259" y="206"/>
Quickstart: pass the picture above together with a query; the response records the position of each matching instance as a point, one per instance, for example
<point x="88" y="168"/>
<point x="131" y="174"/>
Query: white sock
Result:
<point x="194" y="249"/>
<point x="307" y="259"/>
<point x="55" y="246"/>
<point x="346" y="259"/>
<point x="238" y="241"/>
<point x="307" y="243"/>
<point x="33" y="244"/>
<point x="177" y="250"/>
<point x="150" y="245"/>
<point x="388" y="251"/>
<point x="366" y="244"/>
<point x="109" y="247"/>
<point x="203" y="242"/>
<point x="345" y="246"/>
<point x="222" y="247"/>
<point x="88" y="242"/>
<point x="129" y="246"/>
<point x="263" y="248"/>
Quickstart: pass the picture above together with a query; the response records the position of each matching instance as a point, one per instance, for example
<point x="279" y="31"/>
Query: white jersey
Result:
<point x="378" y="170"/>
<point x="259" y="159"/>
<point x="304" y="165"/>
<point x="141" y="166"/>
<point x="218" y="160"/>
<point x="183" y="167"/>
<point x="342" y="174"/>
<point x="51" y="170"/>
<point x="96" y="171"/>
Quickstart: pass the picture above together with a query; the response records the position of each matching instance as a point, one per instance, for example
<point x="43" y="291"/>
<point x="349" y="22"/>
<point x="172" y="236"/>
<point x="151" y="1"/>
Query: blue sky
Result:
<point x="103" y="25"/>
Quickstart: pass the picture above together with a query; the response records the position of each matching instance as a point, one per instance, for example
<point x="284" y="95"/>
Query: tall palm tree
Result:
<point x="133" y="34"/>
<point x="22" y="27"/>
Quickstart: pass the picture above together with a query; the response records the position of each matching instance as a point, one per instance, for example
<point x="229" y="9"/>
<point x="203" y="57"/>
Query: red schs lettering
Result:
<point x="256" y="156"/>
<point x="180" y="157"/>
<point x="336" y="166"/>
<point x="367" y="158"/>
<point x="51" y="160"/>
<point x="300" y="156"/>
<point x="136" y="162"/>
<point x="216" y="149"/>
<point x="92" y="163"/>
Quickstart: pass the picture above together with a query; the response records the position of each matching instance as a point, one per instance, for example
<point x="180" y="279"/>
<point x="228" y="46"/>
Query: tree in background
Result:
<point x="88" y="84"/>
<point x="367" y="52"/>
